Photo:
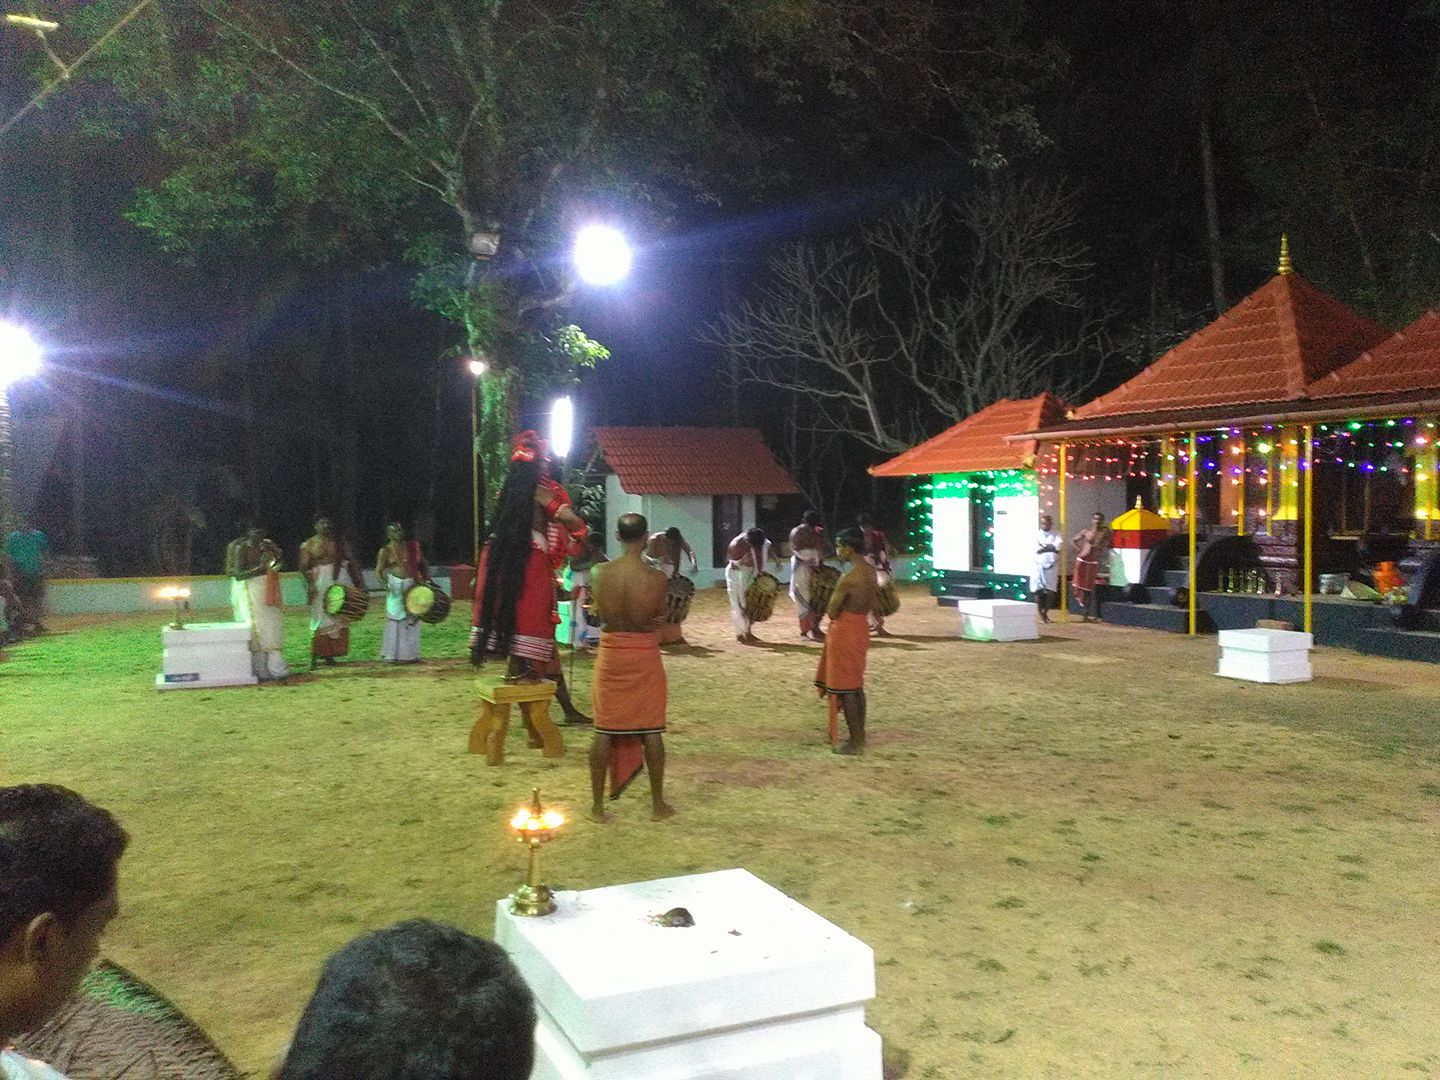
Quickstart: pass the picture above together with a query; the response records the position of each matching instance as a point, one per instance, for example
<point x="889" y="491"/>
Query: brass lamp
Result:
<point x="533" y="826"/>
<point x="180" y="596"/>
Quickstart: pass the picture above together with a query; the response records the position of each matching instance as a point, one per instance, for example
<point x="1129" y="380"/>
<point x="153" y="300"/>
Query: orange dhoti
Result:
<point x="629" y="696"/>
<point x="842" y="662"/>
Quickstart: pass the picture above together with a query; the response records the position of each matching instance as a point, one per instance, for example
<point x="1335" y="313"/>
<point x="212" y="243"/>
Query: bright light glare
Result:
<point x="562" y="426"/>
<point x="602" y="255"/>
<point x="19" y="355"/>
<point x="477" y="367"/>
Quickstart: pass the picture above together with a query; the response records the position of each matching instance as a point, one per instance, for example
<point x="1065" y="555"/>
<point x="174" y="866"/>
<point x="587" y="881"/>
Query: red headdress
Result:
<point x="528" y="446"/>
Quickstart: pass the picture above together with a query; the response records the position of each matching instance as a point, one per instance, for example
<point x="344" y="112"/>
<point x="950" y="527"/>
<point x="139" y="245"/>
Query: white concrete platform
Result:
<point x="760" y="987"/>
<point x="206" y="655"/>
<point x="1265" y="656"/>
<point x="998" y="620"/>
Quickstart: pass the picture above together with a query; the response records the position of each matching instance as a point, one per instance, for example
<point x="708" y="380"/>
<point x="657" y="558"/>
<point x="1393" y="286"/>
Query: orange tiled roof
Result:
<point x="978" y="442"/>
<point x="693" y="461"/>
<point x="1410" y="360"/>
<point x="1269" y="347"/>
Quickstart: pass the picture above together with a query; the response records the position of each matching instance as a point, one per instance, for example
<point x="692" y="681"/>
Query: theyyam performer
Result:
<point x="253" y="563"/>
<point x="325" y="560"/>
<point x="629" y="686"/>
<point x="514" y="614"/>
<point x="399" y="566"/>
<point x="806" y="551"/>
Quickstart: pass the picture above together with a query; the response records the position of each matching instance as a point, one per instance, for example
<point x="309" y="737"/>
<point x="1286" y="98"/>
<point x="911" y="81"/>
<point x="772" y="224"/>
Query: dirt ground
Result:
<point x="1082" y="856"/>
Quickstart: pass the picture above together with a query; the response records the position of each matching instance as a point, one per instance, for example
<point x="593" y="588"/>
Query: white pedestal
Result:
<point x="205" y="655"/>
<point x="760" y="988"/>
<point x="997" y="620"/>
<point x="1265" y="656"/>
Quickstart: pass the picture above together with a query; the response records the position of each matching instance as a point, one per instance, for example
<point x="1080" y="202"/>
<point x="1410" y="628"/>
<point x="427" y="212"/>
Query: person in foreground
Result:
<point x="416" y="1001"/>
<point x="841" y="675"/>
<point x="629" y="683"/>
<point x="58" y="861"/>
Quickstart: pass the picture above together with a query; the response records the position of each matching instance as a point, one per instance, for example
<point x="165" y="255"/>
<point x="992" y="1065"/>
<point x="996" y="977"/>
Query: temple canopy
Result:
<point x="978" y="443"/>
<point x="1408" y="361"/>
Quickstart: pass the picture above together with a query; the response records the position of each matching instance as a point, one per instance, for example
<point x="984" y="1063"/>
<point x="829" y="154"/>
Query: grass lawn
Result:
<point x="1084" y="856"/>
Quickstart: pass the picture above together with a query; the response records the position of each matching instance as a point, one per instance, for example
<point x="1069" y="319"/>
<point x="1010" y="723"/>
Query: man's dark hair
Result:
<point x="508" y="556"/>
<point x="672" y="534"/>
<point x="418" y="1001"/>
<point x="632" y="527"/>
<point x="756" y="536"/>
<point x="58" y="853"/>
<point x="852" y="538"/>
<point x="811" y="517"/>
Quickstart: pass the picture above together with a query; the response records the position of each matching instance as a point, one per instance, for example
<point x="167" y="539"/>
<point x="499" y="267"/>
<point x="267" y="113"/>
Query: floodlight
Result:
<point x="562" y="426"/>
<point x="602" y="255"/>
<point x="19" y="355"/>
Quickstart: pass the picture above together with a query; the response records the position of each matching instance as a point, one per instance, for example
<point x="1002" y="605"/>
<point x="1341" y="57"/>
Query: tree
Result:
<point x="925" y="317"/>
<point x="471" y="135"/>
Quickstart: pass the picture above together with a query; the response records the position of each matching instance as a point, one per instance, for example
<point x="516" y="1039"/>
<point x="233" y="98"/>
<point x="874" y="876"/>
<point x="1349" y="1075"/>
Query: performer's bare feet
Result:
<point x="576" y="718"/>
<point x="743" y="639"/>
<point x="661" y="812"/>
<point x="598" y="815"/>
<point x="879" y="631"/>
<point x="847" y="747"/>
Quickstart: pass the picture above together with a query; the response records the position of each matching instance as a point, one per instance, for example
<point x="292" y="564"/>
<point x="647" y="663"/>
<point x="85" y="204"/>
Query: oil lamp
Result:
<point x="534" y="825"/>
<point x="180" y="596"/>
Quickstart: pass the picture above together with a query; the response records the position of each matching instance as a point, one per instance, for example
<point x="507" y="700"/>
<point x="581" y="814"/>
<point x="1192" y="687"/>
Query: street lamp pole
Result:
<point x="19" y="359"/>
<point x="477" y="370"/>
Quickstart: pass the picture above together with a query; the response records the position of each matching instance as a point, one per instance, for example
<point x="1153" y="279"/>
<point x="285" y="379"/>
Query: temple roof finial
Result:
<point x="1285" y="267"/>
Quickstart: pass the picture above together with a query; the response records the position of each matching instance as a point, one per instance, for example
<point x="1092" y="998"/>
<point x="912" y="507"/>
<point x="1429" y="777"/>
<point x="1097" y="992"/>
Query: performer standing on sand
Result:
<point x="663" y="551"/>
<point x="629" y="686"/>
<point x="253" y="563"/>
<point x="806" y="550"/>
<point x="1092" y="563"/>
<point x="841" y="674"/>
<point x="747" y="555"/>
<point x="877" y="554"/>
<point x="325" y="560"/>
<point x="399" y="565"/>
<point x="514" y="613"/>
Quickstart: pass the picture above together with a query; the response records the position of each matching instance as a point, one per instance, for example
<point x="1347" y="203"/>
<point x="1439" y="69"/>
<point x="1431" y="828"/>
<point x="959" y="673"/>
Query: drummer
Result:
<point x="747" y="555"/>
<point x="325" y="560"/>
<point x="806" y="550"/>
<point x="663" y="551"/>
<point x="399" y="566"/>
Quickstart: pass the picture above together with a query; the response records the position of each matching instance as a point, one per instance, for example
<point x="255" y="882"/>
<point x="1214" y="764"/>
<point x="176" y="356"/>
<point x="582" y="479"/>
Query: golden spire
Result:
<point x="1285" y="266"/>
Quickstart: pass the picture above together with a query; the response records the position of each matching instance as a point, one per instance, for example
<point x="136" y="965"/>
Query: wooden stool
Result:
<point x="488" y="735"/>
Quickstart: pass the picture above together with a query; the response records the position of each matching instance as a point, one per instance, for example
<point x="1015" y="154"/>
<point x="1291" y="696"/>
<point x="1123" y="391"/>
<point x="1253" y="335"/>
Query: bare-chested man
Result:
<point x="841" y="675"/>
<point x="807" y="548"/>
<point x="629" y="686"/>
<point x="663" y="551"/>
<point x="747" y="555"/>
<point x="325" y="560"/>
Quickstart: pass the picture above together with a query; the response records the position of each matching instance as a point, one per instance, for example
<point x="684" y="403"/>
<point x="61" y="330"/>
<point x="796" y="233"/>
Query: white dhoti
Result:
<point x="583" y="633"/>
<point x="802" y="584"/>
<point x="400" y="643"/>
<point x="1046" y="574"/>
<point x="737" y="580"/>
<point x="267" y="627"/>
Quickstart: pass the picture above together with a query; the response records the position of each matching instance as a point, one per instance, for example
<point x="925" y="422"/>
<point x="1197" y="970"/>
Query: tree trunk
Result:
<point x="350" y="425"/>
<point x="1212" y="217"/>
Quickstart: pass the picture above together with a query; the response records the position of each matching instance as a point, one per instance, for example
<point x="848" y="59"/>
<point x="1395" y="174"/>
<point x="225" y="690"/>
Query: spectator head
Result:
<point x="324" y="526"/>
<point x="811" y="518"/>
<point x="419" y="1001"/>
<point x="849" y="542"/>
<point x="632" y="528"/>
<point x="1046" y="521"/>
<point x="395" y="531"/>
<point x="756" y="536"/>
<point x="58" y="860"/>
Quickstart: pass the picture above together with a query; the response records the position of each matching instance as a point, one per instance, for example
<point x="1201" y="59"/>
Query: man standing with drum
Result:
<point x="663" y="551"/>
<point x="253" y="563"/>
<point x="748" y="555"/>
<point x="399" y="566"/>
<point x="325" y="560"/>
<point x="806" y="551"/>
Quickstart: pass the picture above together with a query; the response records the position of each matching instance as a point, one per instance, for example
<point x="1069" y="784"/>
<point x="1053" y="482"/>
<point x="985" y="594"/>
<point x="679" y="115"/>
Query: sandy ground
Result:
<point x="1082" y="856"/>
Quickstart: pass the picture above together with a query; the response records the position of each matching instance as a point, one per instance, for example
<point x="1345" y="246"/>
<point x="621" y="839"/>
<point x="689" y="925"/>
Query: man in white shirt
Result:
<point x="1045" y="578"/>
<point x="58" y="861"/>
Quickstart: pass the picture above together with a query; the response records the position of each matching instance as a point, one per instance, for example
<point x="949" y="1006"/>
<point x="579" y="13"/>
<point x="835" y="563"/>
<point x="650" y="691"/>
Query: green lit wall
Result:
<point x="974" y="520"/>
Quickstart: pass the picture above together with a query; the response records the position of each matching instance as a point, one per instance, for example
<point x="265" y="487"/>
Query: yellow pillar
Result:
<point x="1309" y="526"/>
<point x="1238" y="461"/>
<point x="1190" y="516"/>
<point x="1169" y="478"/>
<point x="1288" y="478"/>
<point x="1427" y="479"/>
<point x="1064" y="613"/>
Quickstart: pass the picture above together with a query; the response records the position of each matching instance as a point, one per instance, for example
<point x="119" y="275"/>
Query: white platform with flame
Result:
<point x="205" y="655"/>
<point x="997" y="620"/>
<point x="760" y="987"/>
